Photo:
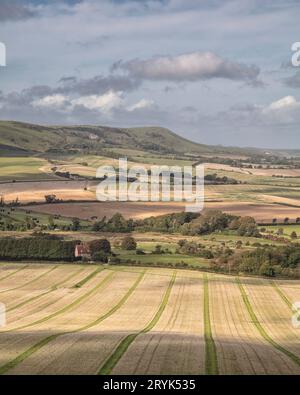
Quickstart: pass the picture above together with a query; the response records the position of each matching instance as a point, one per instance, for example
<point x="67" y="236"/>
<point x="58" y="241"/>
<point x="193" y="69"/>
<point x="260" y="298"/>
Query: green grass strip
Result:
<point x="88" y="278"/>
<point x="11" y="274"/>
<point x="53" y="288"/>
<point x="282" y="294"/>
<point x="261" y="329"/>
<point x="26" y="354"/>
<point x="29" y="282"/>
<point x="122" y="347"/>
<point x="211" y="359"/>
<point x="75" y="303"/>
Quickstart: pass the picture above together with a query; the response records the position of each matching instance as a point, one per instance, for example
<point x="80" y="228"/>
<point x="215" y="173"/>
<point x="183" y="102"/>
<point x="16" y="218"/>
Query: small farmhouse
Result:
<point x="82" y="251"/>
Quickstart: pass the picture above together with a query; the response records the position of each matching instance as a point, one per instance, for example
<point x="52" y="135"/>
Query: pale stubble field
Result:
<point x="80" y="319"/>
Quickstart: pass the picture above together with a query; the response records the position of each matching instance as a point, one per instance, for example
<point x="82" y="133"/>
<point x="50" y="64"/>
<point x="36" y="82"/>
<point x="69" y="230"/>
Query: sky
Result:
<point x="214" y="71"/>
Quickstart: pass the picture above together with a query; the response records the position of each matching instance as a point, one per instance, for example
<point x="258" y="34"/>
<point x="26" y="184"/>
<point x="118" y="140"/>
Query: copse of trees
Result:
<point x="169" y="223"/>
<point x="37" y="248"/>
<point x="208" y="222"/>
<point x="267" y="261"/>
<point x="186" y="223"/>
<point x="117" y="224"/>
<point x="214" y="179"/>
<point x="193" y="248"/>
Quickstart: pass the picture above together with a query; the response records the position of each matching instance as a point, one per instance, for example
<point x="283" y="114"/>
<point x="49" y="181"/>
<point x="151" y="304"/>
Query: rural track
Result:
<point x="29" y="282"/>
<point x="122" y="347"/>
<point x="26" y="354"/>
<point x="75" y="303"/>
<point x="211" y="359"/>
<point x="261" y="329"/>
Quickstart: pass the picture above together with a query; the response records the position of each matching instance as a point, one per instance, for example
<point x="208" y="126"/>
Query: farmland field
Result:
<point x="23" y="169"/>
<point x="88" y="319"/>
<point x="260" y="211"/>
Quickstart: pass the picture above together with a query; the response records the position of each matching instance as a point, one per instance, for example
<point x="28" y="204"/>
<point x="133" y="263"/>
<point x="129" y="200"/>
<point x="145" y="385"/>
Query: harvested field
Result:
<point x="87" y="319"/>
<point x="36" y="191"/>
<point x="274" y="172"/>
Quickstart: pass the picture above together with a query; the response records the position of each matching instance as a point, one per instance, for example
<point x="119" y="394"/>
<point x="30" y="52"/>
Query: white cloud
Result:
<point x="53" y="101"/>
<point x="142" y="104"/>
<point x="104" y="103"/>
<point x="189" y="67"/>
<point x="287" y="102"/>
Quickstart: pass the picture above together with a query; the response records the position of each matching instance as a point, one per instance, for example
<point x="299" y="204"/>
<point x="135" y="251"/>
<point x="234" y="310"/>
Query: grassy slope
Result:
<point x="35" y="138"/>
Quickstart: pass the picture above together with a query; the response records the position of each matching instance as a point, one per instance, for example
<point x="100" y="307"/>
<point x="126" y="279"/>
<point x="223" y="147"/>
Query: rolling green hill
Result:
<point x="18" y="139"/>
<point x="24" y="139"/>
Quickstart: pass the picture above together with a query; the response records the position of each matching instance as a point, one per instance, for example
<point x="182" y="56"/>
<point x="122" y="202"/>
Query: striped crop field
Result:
<point x="87" y="319"/>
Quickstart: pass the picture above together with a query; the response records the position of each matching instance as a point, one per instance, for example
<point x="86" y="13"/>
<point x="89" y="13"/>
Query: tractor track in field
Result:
<point x="122" y="347"/>
<point x="211" y="359"/>
<point x="26" y="354"/>
<point x="29" y="282"/>
<point x="282" y="294"/>
<point x="261" y="329"/>
<point x="11" y="274"/>
<point x="52" y="289"/>
<point x="75" y="303"/>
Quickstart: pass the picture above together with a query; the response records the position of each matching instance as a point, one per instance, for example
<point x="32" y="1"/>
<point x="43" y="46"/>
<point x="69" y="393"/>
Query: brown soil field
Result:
<point x="56" y="328"/>
<point x="261" y="212"/>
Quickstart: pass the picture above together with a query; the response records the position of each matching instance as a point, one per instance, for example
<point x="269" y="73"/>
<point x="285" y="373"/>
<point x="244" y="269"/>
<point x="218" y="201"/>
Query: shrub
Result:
<point x="294" y="235"/>
<point x="128" y="243"/>
<point x="100" y="245"/>
<point x="100" y="256"/>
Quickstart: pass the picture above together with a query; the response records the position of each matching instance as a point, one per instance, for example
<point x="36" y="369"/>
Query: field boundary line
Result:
<point x="211" y="359"/>
<point x="75" y="303"/>
<point x="122" y="347"/>
<point x="52" y="289"/>
<point x="261" y="329"/>
<point x="30" y="282"/>
<point x="11" y="274"/>
<point x="20" y="358"/>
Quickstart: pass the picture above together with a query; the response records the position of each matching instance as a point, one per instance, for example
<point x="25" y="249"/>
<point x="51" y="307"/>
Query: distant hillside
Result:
<point x="17" y="138"/>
